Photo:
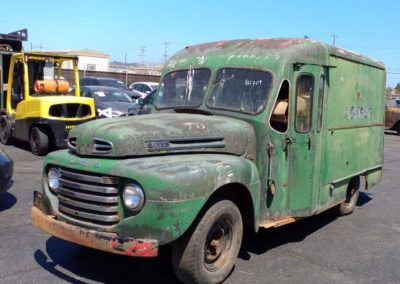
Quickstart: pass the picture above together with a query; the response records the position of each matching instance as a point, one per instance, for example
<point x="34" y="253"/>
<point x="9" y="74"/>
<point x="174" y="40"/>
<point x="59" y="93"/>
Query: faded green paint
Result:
<point x="176" y="188"/>
<point x="238" y="136"/>
<point x="181" y="157"/>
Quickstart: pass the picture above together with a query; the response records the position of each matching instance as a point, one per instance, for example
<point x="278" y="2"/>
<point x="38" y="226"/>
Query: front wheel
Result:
<point x="207" y="253"/>
<point x="39" y="141"/>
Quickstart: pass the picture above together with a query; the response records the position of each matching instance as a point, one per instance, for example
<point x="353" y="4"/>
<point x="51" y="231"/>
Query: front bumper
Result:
<point x="109" y="242"/>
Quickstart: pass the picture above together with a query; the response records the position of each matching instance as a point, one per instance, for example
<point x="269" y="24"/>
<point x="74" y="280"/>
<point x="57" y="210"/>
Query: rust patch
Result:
<point x="109" y="242"/>
<point x="251" y="43"/>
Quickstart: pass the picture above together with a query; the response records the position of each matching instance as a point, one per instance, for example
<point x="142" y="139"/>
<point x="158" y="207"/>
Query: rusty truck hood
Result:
<point x="163" y="133"/>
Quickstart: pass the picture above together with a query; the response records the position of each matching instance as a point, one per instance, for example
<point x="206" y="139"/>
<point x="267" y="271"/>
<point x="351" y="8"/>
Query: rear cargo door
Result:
<point x="303" y="142"/>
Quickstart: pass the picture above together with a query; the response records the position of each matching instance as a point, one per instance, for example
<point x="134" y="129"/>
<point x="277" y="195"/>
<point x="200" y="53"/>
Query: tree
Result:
<point x="397" y="88"/>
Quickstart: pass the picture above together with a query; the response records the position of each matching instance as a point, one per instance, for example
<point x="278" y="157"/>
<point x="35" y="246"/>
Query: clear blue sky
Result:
<point x="124" y="27"/>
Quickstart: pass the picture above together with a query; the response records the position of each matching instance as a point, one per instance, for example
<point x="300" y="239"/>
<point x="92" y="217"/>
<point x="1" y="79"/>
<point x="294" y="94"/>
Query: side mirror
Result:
<point x="148" y="92"/>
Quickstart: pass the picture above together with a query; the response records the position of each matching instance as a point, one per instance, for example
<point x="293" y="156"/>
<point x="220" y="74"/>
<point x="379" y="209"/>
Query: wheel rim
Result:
<point x="218" y="244"/>
<point x="34" y="141"/>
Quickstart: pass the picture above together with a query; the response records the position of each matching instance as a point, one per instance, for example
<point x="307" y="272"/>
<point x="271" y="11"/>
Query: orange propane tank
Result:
<point x="51" y="86"/>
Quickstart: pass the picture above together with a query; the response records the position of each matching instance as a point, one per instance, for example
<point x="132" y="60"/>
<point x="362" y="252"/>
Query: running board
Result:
<point x="277" y="223"/>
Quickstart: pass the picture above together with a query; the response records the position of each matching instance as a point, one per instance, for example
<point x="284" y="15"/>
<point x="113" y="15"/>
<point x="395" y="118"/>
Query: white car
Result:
<point x="144" y="87"/>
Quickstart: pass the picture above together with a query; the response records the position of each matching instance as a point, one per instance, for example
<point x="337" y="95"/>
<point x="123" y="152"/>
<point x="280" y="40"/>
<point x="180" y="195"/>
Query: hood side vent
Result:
<point x="101" y="146"/>
<point x="71" y="143"/>
<point x="184" y="143"/>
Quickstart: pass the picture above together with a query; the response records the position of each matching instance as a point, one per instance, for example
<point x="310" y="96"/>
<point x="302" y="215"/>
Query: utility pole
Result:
<point x="142" y="53"/>
<point x="126" y="72"/>
<point x="166" y="52"/>
<point x="334" y="39"/>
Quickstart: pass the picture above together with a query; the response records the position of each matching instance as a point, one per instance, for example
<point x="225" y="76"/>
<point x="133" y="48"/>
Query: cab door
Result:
<point x="302" y="145"/>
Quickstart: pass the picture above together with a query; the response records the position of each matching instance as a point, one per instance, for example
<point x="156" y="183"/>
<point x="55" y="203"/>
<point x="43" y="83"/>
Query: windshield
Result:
<point x="43" y="72"/>
<point x="241" y="90"/>
<point x="107" y="96"/>
<point x="184" y="88"/>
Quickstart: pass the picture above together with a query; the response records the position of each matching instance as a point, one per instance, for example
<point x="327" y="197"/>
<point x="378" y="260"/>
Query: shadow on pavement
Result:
<point x="21" y="145"/>
<point x="363" y="198"/>
<point x="267" y="239"/>
<point x="76" y="264"/>
<point x="7" y="200"/>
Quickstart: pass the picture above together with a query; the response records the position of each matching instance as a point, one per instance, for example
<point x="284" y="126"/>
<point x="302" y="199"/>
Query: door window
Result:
<point x="279" y="117"/>
<point x="303" y="111"/>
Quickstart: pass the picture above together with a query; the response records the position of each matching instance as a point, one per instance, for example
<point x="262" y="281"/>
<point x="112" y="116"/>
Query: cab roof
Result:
<point x="260" y="51"/>
<point x="50" y="54"/>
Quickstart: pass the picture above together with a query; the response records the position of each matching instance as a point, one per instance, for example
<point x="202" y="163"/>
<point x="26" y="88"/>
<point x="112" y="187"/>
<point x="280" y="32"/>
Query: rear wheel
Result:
<point x="348" y="205"/>
<point x="207" y="253"/>
<point x="39" y="141"/>
<point x="5" y="132"/>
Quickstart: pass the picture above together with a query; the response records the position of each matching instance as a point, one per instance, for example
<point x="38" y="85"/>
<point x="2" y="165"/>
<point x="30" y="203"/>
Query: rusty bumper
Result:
<point x="93" y="239"/>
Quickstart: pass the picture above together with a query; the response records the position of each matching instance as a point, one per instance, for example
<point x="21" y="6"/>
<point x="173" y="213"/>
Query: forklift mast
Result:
<point x="13" y="41"/>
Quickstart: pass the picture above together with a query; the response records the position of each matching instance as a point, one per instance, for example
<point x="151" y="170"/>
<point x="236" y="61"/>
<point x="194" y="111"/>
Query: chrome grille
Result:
<point x="88" y="197"/>
<point x="101" y="146"/>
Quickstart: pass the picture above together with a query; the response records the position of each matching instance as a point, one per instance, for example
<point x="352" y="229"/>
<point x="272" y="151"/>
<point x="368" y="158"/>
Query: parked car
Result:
<point x="109" y="101"/>
<point x="6" y="171"/>
<point x="144" y="87"/>
<point x="109" y="82"/>
<point x="392" y="115"/>
<point x="144" y="105"/>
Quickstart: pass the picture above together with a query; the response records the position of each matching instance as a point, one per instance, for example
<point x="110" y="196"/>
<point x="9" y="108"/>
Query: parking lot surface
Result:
<point x="363" y="247"/>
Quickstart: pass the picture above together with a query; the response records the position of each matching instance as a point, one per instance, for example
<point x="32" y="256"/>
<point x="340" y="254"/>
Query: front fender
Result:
<point x="176" y="187"/>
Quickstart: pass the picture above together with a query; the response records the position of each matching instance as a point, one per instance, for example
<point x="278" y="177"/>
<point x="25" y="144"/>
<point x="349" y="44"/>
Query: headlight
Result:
<point x="133" y="196"/>
<point x="53" y="176"/>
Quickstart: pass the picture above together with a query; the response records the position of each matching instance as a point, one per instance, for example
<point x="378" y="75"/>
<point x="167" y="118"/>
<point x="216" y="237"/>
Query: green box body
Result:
<point x="184" y="156"/>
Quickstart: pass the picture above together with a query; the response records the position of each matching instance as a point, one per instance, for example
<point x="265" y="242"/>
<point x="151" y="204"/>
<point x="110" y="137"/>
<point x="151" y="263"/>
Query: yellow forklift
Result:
<point x="37" y="104"/>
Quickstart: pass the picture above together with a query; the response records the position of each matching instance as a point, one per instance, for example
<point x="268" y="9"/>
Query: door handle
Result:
<point x="288" y="141"/>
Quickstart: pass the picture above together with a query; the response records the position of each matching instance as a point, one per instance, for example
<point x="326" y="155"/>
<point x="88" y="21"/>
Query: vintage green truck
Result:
<point x="244" y="133"/>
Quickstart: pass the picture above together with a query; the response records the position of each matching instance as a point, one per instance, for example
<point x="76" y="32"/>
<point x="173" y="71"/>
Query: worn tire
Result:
<point x="208" y="251"/>
<point x="39" y="141"/>
<point x="5" y="132"/>
<point x="348" y="205"/>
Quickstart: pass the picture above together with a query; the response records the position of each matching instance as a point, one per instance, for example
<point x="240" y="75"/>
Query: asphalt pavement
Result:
<point x="363" y="247"/>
